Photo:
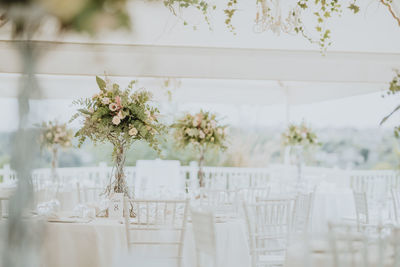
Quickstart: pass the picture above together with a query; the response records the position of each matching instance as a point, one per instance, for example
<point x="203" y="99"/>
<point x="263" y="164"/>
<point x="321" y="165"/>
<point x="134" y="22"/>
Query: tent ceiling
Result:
<point x="204" y="62"/>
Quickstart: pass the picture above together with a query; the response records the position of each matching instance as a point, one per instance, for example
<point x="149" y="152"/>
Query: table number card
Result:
<point x="116" y="207"/>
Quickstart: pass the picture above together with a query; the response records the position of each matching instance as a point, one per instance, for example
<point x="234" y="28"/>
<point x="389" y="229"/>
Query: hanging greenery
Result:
<point x="176" y="6"/>
<point x="394" y="88"/>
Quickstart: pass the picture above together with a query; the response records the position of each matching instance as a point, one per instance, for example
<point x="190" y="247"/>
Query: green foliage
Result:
<point x="118" y="116"/>
<point x="201" y="131"/>
<point x="394" y="88"/>
<point x="229" y="12"/>
<point x="177" y="5"/>
<point x="299" y="135"/>
<point x="323" y="10"/>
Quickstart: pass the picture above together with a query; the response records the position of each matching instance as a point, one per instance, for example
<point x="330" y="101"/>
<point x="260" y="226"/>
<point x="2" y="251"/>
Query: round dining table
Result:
<point x="102" y="242"/>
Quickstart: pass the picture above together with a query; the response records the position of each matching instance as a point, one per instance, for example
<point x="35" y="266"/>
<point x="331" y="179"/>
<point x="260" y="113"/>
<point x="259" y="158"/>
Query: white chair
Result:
<point x="268" y="223"/>
<point x="3" y="200"/>
<point x="88" y="194"/>
<point x="252" y="194"/>
<point x="362" y="212"/>
<point x="156" y="233"/>
<point x="222" y="202"/>
<point x="302" y="212"/>
<point x="395" y="193"/>
<point x="351" y="248"/>
<point x="203" y="223"/>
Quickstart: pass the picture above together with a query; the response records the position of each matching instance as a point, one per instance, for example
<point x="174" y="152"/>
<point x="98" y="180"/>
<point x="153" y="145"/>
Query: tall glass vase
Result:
<point x="299" y="162"/>
<point x="200" y="172"/>
<point x="119" y="184"/>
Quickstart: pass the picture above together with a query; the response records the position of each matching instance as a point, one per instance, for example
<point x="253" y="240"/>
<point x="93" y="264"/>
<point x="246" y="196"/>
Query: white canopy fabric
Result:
<point x="216" y="66"/>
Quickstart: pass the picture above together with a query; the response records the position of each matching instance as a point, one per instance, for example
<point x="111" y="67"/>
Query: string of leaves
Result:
<point x="394" y="88"/>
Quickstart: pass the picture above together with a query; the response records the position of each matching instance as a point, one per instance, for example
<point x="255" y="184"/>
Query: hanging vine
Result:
<point x="388" y="4"/>
<point x="229" y="12"/>
<point x="176" y="7"/>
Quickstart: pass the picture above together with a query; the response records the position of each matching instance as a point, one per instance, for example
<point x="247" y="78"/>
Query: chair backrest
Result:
<point x="268" y="223"/>
<point x="252" y="194"/>
<point x="302" y="212"/>
<point x="361" y="204"/>
<point x="378" y="247"/>
<point x="396" y="204"/>
<point x="222" y="202"/>
<point x="3" y="203"/>
<point x="156" y="223"/>
<point x="203" y="224"/>
<point x="89" y="194"/>
<point x="374" y="183"/>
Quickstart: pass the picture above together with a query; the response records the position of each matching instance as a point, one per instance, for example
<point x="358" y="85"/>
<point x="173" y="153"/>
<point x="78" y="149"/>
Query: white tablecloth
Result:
<point x="101" y="242"/>
<point x="332" y="204"/>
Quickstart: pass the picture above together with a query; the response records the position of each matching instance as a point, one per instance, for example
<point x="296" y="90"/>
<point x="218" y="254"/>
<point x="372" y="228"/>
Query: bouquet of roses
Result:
<point x="120" y="117"/>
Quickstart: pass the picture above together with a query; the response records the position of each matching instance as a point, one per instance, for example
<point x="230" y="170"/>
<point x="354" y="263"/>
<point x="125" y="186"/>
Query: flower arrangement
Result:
<point x="202" y="131"/>
<point x="299" y="135"/>
<point x="120" y="117"/>
<point x="54" y="135"/>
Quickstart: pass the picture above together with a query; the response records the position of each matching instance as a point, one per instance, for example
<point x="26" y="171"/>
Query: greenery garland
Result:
<point x="394" y="88"/>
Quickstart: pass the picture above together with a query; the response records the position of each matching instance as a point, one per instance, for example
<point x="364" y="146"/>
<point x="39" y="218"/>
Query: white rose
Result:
<point x="201" y="134"/>
<point x="133" y="131"/>
<point x="105" y="101"/>
<point x="116" y="120"/>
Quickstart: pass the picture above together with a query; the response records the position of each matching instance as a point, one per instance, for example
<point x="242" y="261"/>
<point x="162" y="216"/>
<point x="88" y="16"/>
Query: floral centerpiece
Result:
<point x="202" y="131"/>
<point x="299" y="137"/>
<point x="120" y="117"/>
<point x="54" y="135"/>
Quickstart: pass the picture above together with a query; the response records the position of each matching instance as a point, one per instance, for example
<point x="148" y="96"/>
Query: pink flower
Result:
<point x="116" y="120"/>
<point x="118" y="101"/>
<point x="113" y="107"/>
